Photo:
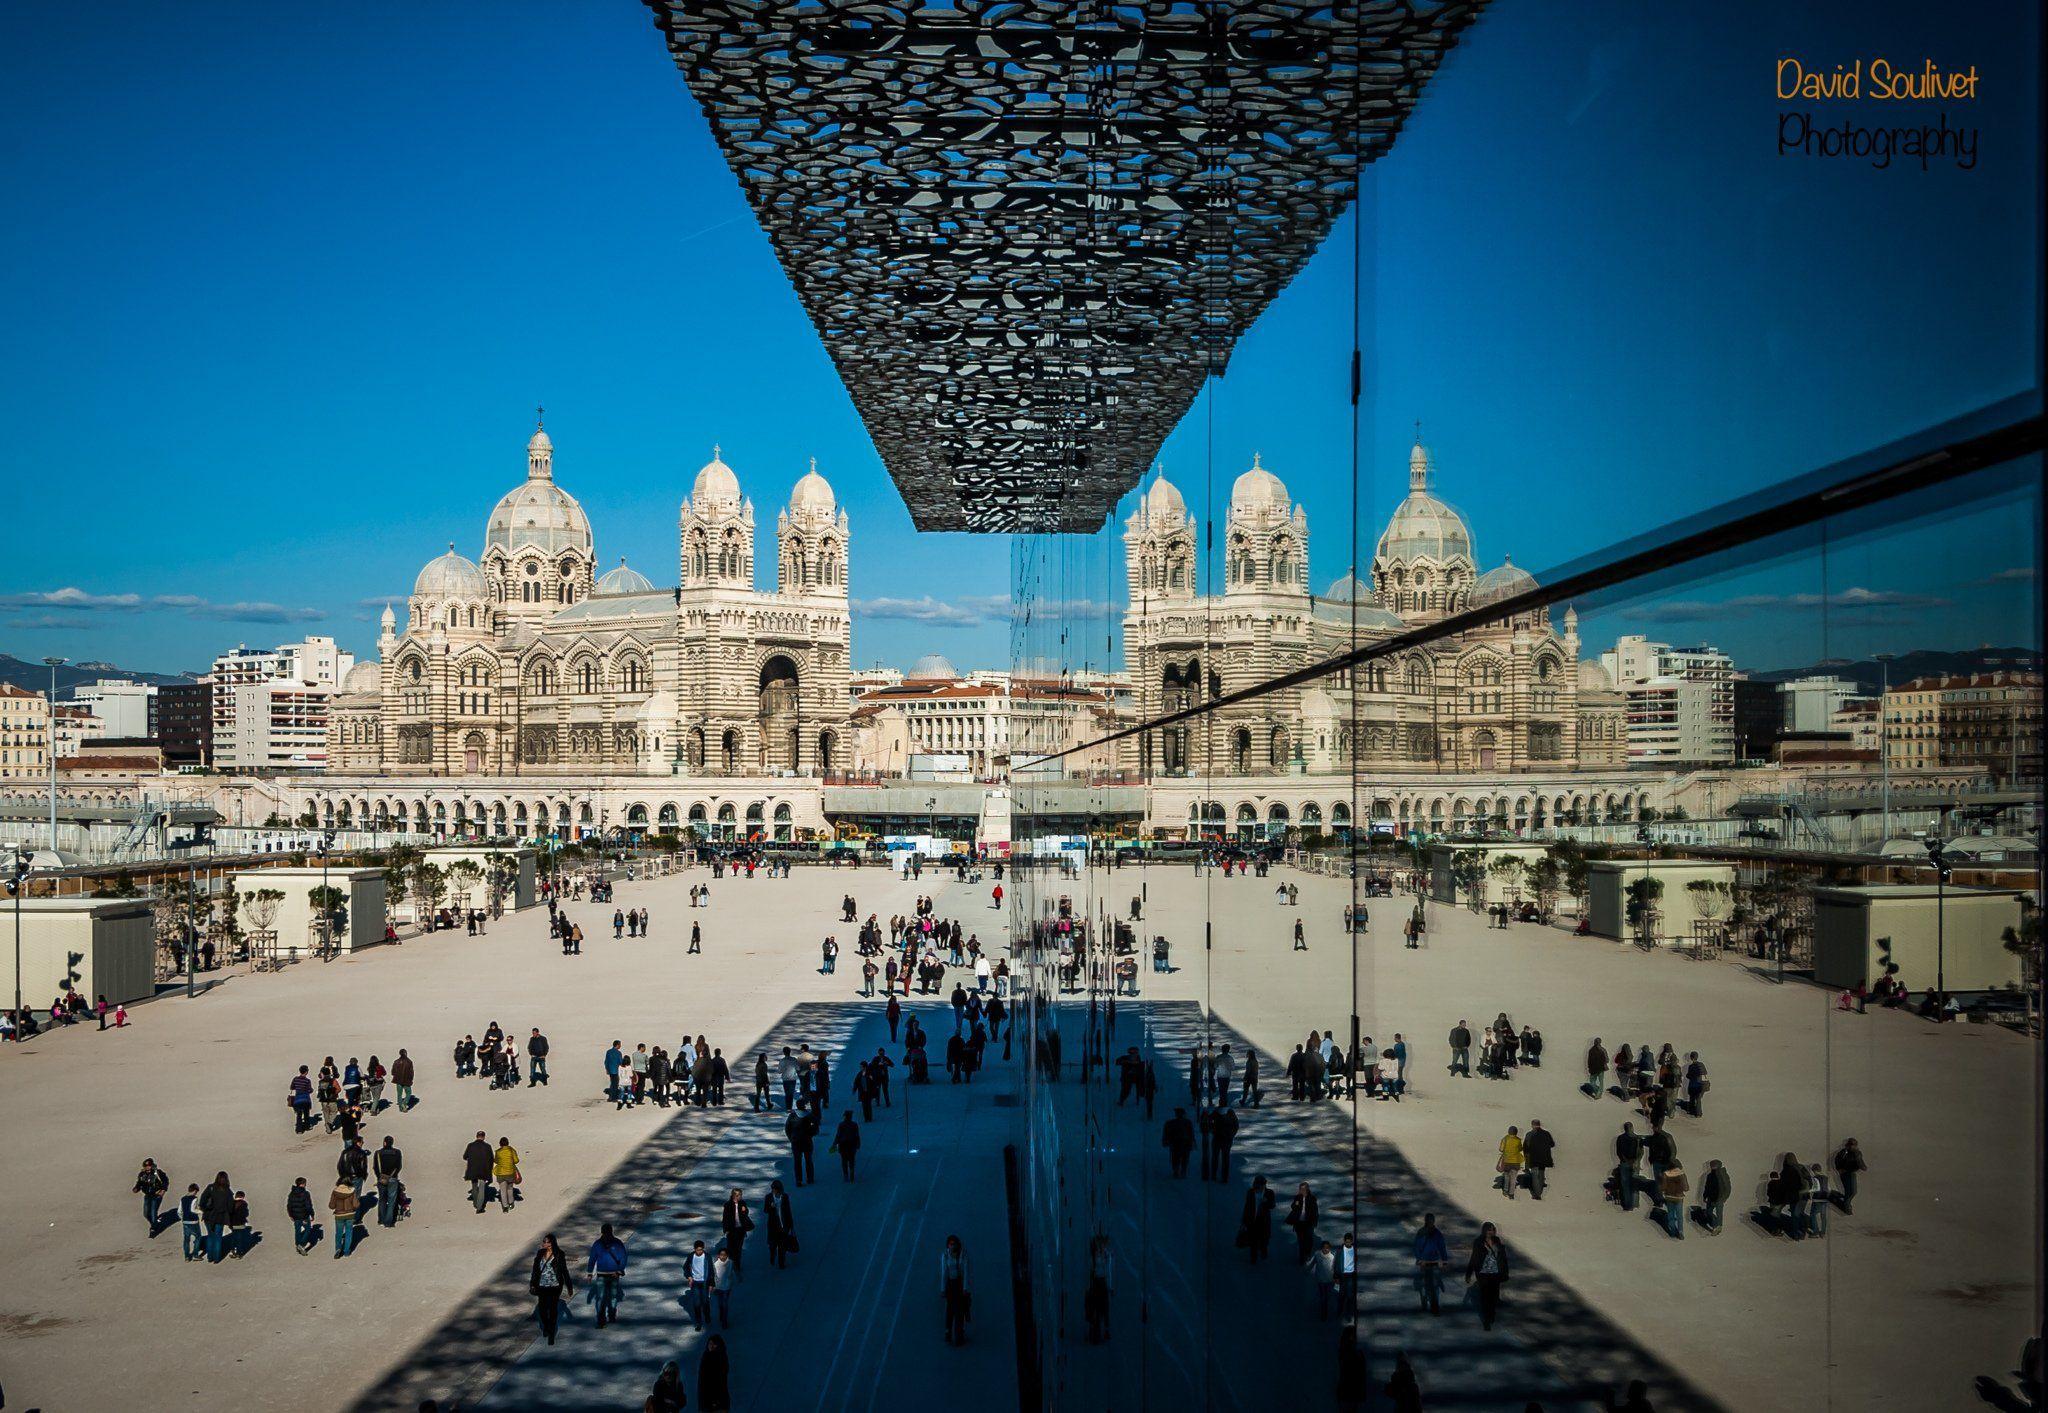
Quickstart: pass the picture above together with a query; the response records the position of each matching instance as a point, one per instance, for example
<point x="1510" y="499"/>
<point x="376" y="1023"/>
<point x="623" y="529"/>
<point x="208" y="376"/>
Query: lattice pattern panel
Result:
<point x="1027" y="230"/>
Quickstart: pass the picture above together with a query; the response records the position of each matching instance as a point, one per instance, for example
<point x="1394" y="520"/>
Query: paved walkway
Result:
<point x="858" y="1305"/>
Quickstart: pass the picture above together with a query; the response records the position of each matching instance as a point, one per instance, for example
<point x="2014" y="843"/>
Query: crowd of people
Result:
<point x="68" y="1008"/>
<point x="695" y="1073"/>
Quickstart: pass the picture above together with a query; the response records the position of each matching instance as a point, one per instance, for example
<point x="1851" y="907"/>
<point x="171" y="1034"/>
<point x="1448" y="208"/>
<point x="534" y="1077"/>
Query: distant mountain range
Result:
<point x="36" y="677"/>
<point x="1921" y="662"/>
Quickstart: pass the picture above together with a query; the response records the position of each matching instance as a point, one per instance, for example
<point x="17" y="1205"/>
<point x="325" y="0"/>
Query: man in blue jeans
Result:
<point x="152" y="1183"/>
<point x="385" y="1165"/>
<point x="613" y="1059"/>
<point x="607" y="1268"/>
<point x="697" y="1267"/>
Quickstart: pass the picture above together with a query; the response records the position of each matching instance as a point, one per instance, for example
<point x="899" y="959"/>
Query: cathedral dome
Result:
<point x="1423" y="526"/>
<point x="932" y="665"/>
<point x="813" y="492"/>
<point x="624" y="581"/>
<point x="1501" y="583"/>
<point x="716" y="482"/>
<point x="1164" y="501"/>
<point x="538" y="512"/>
<point x="1594" y="676"/>
<point x="449" y="576"/>
<point x="364" y="678"/>
<point x="1258" y="487"/>
<point x="542" y="514"/>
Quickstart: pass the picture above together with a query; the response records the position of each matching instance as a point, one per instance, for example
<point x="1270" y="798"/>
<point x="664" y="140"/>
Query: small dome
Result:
<point x="1258" y="487"/>
<point x="716" y="482"/>
<point x="813" y="492"/>
<point x="624" y="581"/>
<point x="1501" y="583"/>
<point x="1347" y="590"/>
<point x="449" y="576"/>
<point x="1593" y="677"/>
<point x="539" y="441"/>
<point x="932" y="665"/>
<point x="1164" y="501"/>
<point x="365" y="678"/>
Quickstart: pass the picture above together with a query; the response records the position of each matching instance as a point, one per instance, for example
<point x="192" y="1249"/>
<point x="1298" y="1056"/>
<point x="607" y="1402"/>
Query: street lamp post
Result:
<point x="1884" y="739"/>
<point x="17" y="884"/>
<point x="50" y="741"/>
<point x="1942" y="872"/>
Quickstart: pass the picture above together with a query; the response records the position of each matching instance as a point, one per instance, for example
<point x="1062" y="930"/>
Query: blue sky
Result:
<point x="289" y="283"/>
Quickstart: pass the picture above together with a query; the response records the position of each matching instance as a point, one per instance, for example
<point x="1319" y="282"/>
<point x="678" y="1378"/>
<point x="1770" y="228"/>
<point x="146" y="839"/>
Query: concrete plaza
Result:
<point x="1925" y="1287"/>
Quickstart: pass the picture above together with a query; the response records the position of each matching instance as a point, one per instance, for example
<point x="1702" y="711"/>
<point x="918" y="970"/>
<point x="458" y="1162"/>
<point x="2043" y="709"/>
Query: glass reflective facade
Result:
<point x="1563" y="730"/>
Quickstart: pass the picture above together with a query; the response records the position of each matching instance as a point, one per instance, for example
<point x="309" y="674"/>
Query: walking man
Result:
<point x="801" y="1129"/>
<point x="1461" y="1050"/>
<point x="607" y="1268"/>
<point x="1628" y="1152"/>
<point x="537" y="1059"/>
<point x="476" y="1167"/>
<point x="386" y="1167"/>
<point x="1432" y="1254"/>
<point x="1537" y="1149"/>
<point x="1596" y="1069"/>
<point x="846" y="1138"/>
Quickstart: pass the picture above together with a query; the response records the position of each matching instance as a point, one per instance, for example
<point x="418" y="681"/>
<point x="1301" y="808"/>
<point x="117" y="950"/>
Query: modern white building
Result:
<point x="267" y="726"/>
<point x="271" y="705"/>
<point x="1680" y="701"/>
<point x="1811" y="702"/>
<point x="123" y="707"/>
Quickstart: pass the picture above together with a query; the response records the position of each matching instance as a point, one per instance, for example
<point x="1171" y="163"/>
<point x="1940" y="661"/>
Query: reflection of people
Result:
<point x="953" y="1286"/>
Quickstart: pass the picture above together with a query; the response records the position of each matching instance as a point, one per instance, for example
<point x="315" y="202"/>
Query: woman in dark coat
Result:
<point x="216" y="1205"/>
<point x="737" y="1220"/>
<point x="549" y="1283"/>
<point x="1257" y="1221"/>
<point x="668" y="1395"/>
<point x="781" y="1224"/>
<point x="1488" y="1270"/>
<point x="1301" y="1215"/>
<point x="714" y="1377"/>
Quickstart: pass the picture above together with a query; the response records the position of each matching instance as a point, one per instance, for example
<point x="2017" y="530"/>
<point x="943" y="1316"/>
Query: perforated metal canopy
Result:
<point x="1027" y="230"/>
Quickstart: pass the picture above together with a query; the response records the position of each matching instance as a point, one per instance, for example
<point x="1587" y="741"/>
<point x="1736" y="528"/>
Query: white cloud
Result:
<point x="1852" y="600"/>
<point x="926" y="610"/>
<point x="191" y="605"/>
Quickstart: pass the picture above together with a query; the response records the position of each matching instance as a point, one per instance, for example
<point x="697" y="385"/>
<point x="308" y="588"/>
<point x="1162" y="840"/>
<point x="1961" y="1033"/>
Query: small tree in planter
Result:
<point x="1510" y="871"/>
<point x="504" y="878"/>
<point x="1643" y="896"/>
<point x="260" y="904"/>
<point x="463" y="879"/>
<point x="330" y="911"/>
<point x="1545" y="877"/>
<point x="1468" y="874"/>
<point x="429" y="884"/>
<point x="1709" y="899"/>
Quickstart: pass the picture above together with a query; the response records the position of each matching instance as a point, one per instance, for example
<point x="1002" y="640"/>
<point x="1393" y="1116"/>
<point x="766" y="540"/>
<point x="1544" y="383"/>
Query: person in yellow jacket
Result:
<point x="505" y="1172"/>
<point x="1510" y="1166"/>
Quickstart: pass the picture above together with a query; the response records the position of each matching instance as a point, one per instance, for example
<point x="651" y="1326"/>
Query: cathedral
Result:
<point x="1504" y="697"/>
<point x="530" y="661"/>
